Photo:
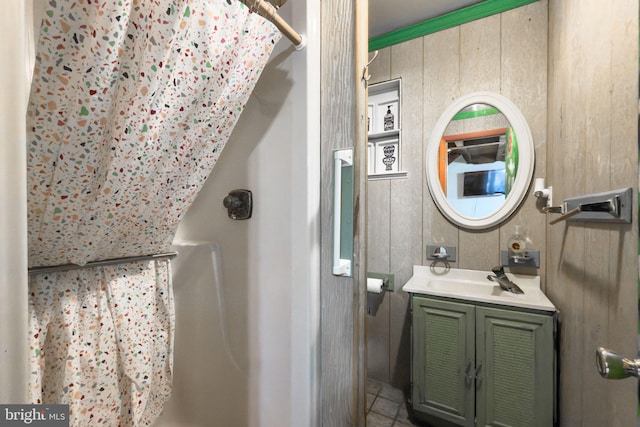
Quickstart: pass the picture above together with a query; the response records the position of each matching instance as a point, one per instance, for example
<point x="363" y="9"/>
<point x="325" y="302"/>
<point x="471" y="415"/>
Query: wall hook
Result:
<point x="365" y="73"/>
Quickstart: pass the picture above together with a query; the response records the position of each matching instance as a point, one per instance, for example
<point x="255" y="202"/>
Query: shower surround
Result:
<point x="130" y="108"/>
<point x="274" y="151"/>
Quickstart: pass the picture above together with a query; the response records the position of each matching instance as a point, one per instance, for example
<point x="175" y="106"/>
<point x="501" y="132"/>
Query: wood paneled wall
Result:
<point x="342" y="352"/>
<point x="592" y="269"/>
<point x="571" y="66"/>
<point x="503" y="53"/>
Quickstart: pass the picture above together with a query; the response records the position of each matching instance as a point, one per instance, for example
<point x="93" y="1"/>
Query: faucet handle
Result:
<point x="498" y="271"/>
<point x="440" y="253"/>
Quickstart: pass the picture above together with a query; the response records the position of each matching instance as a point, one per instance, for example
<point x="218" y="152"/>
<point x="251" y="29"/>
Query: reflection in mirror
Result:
<point x="474" y="176"/>
<point x="475" y="150"/>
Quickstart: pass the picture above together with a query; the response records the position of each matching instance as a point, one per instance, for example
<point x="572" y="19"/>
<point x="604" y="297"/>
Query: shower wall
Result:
<point x="14" y="86"/>
<point x="261" y="300"/>
<point x="207" y="354"/>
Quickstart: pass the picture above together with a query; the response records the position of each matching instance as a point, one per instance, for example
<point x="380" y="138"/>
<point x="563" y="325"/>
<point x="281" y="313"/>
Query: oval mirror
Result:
<point x="479" y="160"/>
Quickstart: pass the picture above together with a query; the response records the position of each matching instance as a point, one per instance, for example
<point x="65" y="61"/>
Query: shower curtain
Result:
<point x="132" y="102"/>
<point x="102" y="342"/>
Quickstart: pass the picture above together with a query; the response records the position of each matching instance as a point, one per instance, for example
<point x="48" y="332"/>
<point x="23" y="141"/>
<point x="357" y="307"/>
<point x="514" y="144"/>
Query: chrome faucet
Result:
<point x="614" y="366"/>
<point x="505" y="283"/>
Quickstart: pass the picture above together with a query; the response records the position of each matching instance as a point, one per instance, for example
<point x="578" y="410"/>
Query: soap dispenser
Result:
<point x="388" y="120"/>
<point x="517" y="244"/>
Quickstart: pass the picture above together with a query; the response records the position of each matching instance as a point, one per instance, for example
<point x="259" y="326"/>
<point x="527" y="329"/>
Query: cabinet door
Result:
<point x="443" y="359"/>
<point x="515" y="368"/>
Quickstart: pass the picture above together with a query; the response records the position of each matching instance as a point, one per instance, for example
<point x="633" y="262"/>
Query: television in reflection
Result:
<point x="484" y="183"/>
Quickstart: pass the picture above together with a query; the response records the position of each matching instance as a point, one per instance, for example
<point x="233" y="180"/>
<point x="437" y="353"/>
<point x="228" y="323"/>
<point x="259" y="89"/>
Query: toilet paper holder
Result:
<point x="387" y="280"/>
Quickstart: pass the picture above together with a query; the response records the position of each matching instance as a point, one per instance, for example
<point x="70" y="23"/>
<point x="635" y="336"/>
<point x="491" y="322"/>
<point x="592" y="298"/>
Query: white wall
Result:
<point x="270" y="262"/>
<point x="14" y="82"/>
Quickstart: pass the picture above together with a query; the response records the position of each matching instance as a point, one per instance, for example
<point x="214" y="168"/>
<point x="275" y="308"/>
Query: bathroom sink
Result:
<point x="473" y="285"/>
<point x="463" y="287"/>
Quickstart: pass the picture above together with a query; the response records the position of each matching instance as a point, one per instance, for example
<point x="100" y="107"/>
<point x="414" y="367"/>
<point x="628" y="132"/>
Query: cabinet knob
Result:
<point x="478" y="377"/>
<point x="468" y="378"/>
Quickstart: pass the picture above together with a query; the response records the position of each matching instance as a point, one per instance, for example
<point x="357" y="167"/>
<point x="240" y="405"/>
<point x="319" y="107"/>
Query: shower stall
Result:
<point x="246" y="292"/>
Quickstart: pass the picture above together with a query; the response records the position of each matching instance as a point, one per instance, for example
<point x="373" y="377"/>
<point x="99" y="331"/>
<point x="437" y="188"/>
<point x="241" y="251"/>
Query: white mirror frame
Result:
<point x="526" y="160"/>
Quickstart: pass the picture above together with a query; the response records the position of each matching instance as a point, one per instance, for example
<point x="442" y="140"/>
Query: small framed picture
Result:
<point x="384" y="156"/>
<point x="387" y="116"/>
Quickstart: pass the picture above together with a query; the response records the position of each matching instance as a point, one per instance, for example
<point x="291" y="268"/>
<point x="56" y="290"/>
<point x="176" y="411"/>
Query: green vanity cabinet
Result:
<point x="443" y="360"/>
<point x="481" y="365"/>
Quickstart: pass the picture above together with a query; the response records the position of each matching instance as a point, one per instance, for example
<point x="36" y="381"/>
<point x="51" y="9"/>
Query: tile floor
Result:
<point x="386" y="406"/>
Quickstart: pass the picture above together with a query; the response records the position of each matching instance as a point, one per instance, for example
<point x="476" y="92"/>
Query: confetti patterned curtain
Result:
<point x="131" y="104"/>
<point x="102" y="342"/>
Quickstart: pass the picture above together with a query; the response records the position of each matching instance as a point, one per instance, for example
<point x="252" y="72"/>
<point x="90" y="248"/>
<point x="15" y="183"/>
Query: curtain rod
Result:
<point x="101" y="263"/>
<point x="268" y="11"/>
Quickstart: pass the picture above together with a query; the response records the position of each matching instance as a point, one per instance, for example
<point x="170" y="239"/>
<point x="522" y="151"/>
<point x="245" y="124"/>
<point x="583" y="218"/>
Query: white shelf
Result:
<point x="384" y="146"/>
<point x="389" y="175"/>
<point x="388" y="134"/>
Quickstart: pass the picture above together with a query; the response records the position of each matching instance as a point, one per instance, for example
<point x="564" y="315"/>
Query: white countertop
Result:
<point x="473" y="285"/>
